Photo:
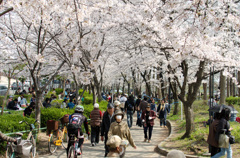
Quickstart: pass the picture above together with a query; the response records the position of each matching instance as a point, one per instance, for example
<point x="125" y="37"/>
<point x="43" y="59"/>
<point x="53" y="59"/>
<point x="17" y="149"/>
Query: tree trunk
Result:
<point x="204" y="91"/>
<point x="162" y="89"/>
<point x="189" y="116"/>
<point x="231" y="87"/>
<point x="129" y="88"/>
<point x="64" y="86"/>
<point x="5" y="97"/>
<point x="175" y="97"/>
<point x="38" y="106"/>
<point x="222" y="88"/>
<point x="123" y="88"/>
<point x="99" y="96"/>
<point x="238" y="83"/>
<point x="228" y="87"/>
<point x="94" y="94"/>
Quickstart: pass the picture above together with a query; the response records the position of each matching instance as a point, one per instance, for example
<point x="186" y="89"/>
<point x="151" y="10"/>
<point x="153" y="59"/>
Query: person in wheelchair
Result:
<point x="74" y="127"/>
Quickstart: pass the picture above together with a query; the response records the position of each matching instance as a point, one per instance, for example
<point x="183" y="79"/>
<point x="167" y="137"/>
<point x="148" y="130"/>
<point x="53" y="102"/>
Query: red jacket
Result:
<point x="151" y="114"/>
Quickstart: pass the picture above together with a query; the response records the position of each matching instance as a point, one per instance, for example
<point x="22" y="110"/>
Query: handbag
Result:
<point x="223" y="141"/>
<point x="231" y="139"/>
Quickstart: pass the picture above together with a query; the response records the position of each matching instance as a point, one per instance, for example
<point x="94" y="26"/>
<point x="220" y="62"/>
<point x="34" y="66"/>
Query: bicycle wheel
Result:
<point x="72" y="152"/>
<point x="64" y="138"/>
<point x="10" y="153"/>
<point x="51" y="145"/>
<point x="33" y="152"/>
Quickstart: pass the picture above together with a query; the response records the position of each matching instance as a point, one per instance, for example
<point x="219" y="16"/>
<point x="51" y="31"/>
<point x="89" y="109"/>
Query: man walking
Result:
<point x="106" y="122"/>
<point x="96" y="119"/>
<point x="129" y="108"/>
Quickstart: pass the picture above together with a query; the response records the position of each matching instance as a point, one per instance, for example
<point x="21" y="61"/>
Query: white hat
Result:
<point x="176" y="154"/>
<point x="116" y="141"/>
<point x="116" y="103"/>
<point x="96" y="105"/>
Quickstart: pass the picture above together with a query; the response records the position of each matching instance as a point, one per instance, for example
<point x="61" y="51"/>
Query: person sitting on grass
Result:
<point x="70" y="105"/>
<point x="29" y="109"/>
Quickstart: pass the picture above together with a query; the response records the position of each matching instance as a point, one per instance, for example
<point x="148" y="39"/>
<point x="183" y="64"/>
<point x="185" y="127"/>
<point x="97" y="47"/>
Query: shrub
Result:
<point x="88" y="100"/>
<point x="58" y="91"/>
<point x="233" y="100"/>
<point x="57" y="103"/>
<point x="10" y="122"/>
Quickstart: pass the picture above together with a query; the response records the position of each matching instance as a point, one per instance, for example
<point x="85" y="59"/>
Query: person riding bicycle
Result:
<point x="74" y="127"/>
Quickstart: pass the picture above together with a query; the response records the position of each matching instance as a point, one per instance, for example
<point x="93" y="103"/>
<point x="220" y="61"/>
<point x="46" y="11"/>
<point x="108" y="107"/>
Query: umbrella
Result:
<point x="218" y="108"/>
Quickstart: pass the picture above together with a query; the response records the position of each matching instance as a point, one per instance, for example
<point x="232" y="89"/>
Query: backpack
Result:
<point x="75" y="123"/>
<point x="130" y="106"/>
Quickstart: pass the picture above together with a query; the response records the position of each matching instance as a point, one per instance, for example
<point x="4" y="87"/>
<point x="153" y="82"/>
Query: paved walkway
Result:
<point x="144" y="149"/>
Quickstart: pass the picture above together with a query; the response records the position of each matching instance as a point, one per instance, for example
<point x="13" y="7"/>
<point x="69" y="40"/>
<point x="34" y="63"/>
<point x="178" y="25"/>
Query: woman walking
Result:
<point x="224" y="126"/>
<point x="162" y="113"/>
<point x="148" y="117"/>
<point x="212" y="133"/>
<point x="121" y="129"/>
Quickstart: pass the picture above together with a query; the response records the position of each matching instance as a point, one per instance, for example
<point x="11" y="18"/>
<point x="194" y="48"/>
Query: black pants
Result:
<point x="149" y="128"/>
<point x="214" y="150"/>
<point x="95" y="134"/>
<point x="106" y="147"/>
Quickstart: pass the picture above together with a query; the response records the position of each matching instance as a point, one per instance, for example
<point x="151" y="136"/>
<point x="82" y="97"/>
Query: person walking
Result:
<point x="96" y="119"/>
<point x="212" y="133"/>
<point x="121" y="129"/>
<point x="139" y="113"/>
<point x="129" y="108"/>
<point x="143" y="104"/>
<point x="224" y="127"/>
<point x="148" y="117"/>
<point x="123" y="100"/>
<point x="162" y="113"/>
<point x="116" y="105"/>
<point x="153" y="106"/>
<point x="106" y="122"/>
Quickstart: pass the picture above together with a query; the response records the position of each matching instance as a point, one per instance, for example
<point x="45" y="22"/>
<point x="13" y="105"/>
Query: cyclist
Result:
<point x="74" y="127"/>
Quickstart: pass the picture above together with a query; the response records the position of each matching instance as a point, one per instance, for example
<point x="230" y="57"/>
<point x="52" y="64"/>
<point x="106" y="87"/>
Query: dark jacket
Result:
<point x="212" y="132"/>
<point x="163" y="112"/>
<point x="127" y="103"/>
<point x="28" y="111"/>
<point x="151" y="114"/>
<point x="106" y="122"/>
<point x="223" y="125"/>
<point x="12" y="105"/>
<point x="96" y="117"/>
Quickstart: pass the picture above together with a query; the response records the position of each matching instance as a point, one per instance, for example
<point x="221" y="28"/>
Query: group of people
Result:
<point x="220" y="125"/>
<point x="111" y="127"/>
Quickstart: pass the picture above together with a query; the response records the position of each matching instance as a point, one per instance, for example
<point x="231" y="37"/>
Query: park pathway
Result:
<point x="144" y="149"/>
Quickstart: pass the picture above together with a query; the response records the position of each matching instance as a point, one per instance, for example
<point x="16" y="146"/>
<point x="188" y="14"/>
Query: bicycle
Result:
<point x="57" y="139"/>
<point x="72" y="151"/>
<point x="27" y="148"/>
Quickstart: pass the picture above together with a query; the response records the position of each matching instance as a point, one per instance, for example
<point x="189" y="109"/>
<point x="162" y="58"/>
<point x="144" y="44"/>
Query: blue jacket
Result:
<point x="70" y="105"/>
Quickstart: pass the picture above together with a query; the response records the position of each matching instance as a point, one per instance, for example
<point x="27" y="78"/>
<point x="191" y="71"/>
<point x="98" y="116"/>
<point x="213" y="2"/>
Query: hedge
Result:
<point x="233" y="100"/>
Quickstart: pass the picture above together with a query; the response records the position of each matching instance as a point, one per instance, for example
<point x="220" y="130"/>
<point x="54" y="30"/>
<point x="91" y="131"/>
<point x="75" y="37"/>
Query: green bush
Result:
<point x="233" y="100"/>
<point x="10" y="122"/>
<point x="88" y="100"/>
<point x="58" y="91"/>
<point x="57" y="103"/>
